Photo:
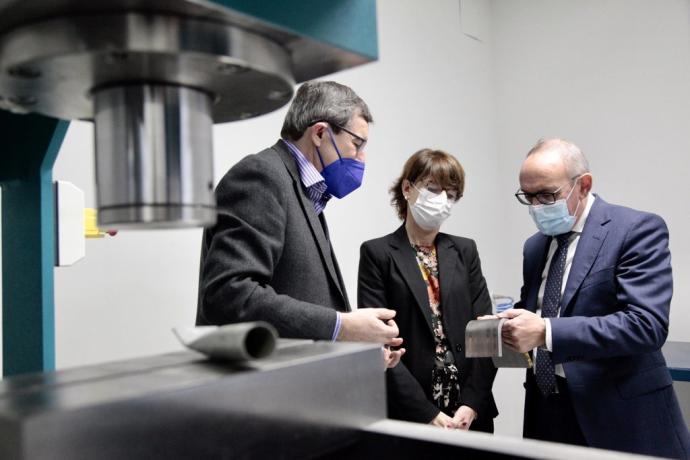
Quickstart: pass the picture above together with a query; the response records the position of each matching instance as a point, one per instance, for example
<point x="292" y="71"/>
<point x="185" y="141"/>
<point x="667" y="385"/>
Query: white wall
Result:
<point x="612" y="75"/>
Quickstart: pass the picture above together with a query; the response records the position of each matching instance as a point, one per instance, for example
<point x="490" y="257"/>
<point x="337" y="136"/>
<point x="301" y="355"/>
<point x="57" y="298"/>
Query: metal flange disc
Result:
<point x="53" y="66"/>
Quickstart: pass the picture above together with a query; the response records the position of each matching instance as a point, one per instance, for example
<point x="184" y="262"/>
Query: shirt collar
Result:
<point x="308" y="174"/>
<point x="580" y="224"/>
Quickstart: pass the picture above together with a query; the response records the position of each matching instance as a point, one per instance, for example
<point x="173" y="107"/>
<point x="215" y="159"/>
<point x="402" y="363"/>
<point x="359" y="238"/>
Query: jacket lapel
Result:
<point x="450" y="269"/>
<point x="338" y="273"/>
<point x="405" y="259"/>
<point x="535" y="270"/>
<point x="448" y="262"/>
<point x="307" y="206"/>
<point x="592" y="237"/>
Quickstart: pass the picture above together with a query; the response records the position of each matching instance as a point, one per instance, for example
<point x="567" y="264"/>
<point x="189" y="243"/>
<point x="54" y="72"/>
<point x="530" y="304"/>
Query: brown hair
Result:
<point x="438" y="165"/>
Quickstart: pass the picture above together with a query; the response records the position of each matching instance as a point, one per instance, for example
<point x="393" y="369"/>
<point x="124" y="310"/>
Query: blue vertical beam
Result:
<point x="29" y="145"/>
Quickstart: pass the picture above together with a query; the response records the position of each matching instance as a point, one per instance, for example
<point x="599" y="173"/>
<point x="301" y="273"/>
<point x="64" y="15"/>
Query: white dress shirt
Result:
<point x="572" y="247"/>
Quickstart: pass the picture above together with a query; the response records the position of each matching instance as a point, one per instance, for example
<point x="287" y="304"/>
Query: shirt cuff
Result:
<point x="338" y="324"/>
<point x="549" y="343"/>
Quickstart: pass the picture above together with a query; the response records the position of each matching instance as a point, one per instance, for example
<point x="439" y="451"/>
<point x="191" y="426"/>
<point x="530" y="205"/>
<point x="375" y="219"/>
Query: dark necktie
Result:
<point x="545" y="376"/>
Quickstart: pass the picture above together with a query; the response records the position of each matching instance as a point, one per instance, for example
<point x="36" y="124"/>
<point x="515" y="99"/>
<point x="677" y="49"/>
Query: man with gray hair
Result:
<point x="594" y="309"/>
<point x="269" y="256"/>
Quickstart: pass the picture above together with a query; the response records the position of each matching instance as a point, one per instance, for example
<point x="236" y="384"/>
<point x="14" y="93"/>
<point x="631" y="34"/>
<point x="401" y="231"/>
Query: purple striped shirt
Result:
<point x="315" y="186"/>
<point x="312" y="180"/>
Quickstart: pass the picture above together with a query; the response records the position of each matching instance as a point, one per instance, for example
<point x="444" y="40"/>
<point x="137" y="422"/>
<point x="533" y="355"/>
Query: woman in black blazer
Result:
<point x="434" y="282"/>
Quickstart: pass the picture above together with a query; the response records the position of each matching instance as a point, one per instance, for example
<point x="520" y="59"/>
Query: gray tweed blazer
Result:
<point x="268" y="257"/>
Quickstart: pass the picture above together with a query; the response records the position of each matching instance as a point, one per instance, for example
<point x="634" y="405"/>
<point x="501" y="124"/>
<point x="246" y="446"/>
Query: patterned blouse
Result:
<point x="445" y="384"/>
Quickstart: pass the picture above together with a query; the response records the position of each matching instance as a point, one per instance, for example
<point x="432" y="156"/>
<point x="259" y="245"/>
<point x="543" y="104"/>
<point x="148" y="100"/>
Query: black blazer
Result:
<point x="390" y="277"/>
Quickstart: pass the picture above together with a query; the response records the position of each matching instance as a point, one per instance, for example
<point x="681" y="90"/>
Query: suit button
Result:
<point x="458" y="347"/>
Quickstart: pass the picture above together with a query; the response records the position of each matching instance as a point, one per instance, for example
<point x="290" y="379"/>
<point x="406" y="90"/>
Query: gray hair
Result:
<point x="322" y="101"/>
<point x="575" y="162"/>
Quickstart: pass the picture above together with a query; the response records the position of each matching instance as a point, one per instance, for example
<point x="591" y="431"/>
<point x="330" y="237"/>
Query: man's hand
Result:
<point x="370" y="325"/>
<point x="391" y="358"/>
<point x="442" y="421"/>
<point x="464" y="417"/>
<point x="524" y="330"/>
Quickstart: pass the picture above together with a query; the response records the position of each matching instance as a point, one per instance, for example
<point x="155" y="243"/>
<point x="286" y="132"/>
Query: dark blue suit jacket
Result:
<point x="613" y="321"/>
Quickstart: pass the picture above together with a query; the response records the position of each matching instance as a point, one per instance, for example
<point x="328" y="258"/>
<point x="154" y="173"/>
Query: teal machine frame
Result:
<point x="31" y="144"/>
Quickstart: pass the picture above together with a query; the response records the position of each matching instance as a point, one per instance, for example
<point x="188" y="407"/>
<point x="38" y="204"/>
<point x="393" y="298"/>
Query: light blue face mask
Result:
<point x="554" y="219"/>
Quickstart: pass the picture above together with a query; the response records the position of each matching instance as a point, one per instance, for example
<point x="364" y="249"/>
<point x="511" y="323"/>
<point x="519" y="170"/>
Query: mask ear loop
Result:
<point x="323" y="166"/>
<point x="330" y="133"/>
<point x="576" y="207"/>
<point x="571" y="192"/>
<point x="337" y="150"/>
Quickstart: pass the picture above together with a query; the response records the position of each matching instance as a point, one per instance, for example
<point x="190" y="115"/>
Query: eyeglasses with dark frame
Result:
<point x="526" y="198"/>
<point x="452" y="195"/>
<point x="361" y="141"/>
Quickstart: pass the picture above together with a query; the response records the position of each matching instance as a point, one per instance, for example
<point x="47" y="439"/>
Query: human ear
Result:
<point x="317" y="130"/>
<point x="405" y="187"/>
<point x="585" y="184"/>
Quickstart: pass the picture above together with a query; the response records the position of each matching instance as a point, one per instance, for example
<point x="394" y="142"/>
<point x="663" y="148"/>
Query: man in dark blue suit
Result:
<point x="594" y="309"/>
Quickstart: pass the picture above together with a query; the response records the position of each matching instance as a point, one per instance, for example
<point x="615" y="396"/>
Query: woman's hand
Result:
<point x="442" y="421"/>
<point x="464" y="417"/>
<point x="391" y="358"/>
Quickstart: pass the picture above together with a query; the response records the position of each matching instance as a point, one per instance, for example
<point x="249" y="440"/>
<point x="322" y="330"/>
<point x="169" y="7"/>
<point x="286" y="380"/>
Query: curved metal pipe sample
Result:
<point x="231" y="342"/>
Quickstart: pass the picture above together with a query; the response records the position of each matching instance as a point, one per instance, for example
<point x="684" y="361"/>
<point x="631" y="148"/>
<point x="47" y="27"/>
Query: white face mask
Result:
<point x="431" y="209"/>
